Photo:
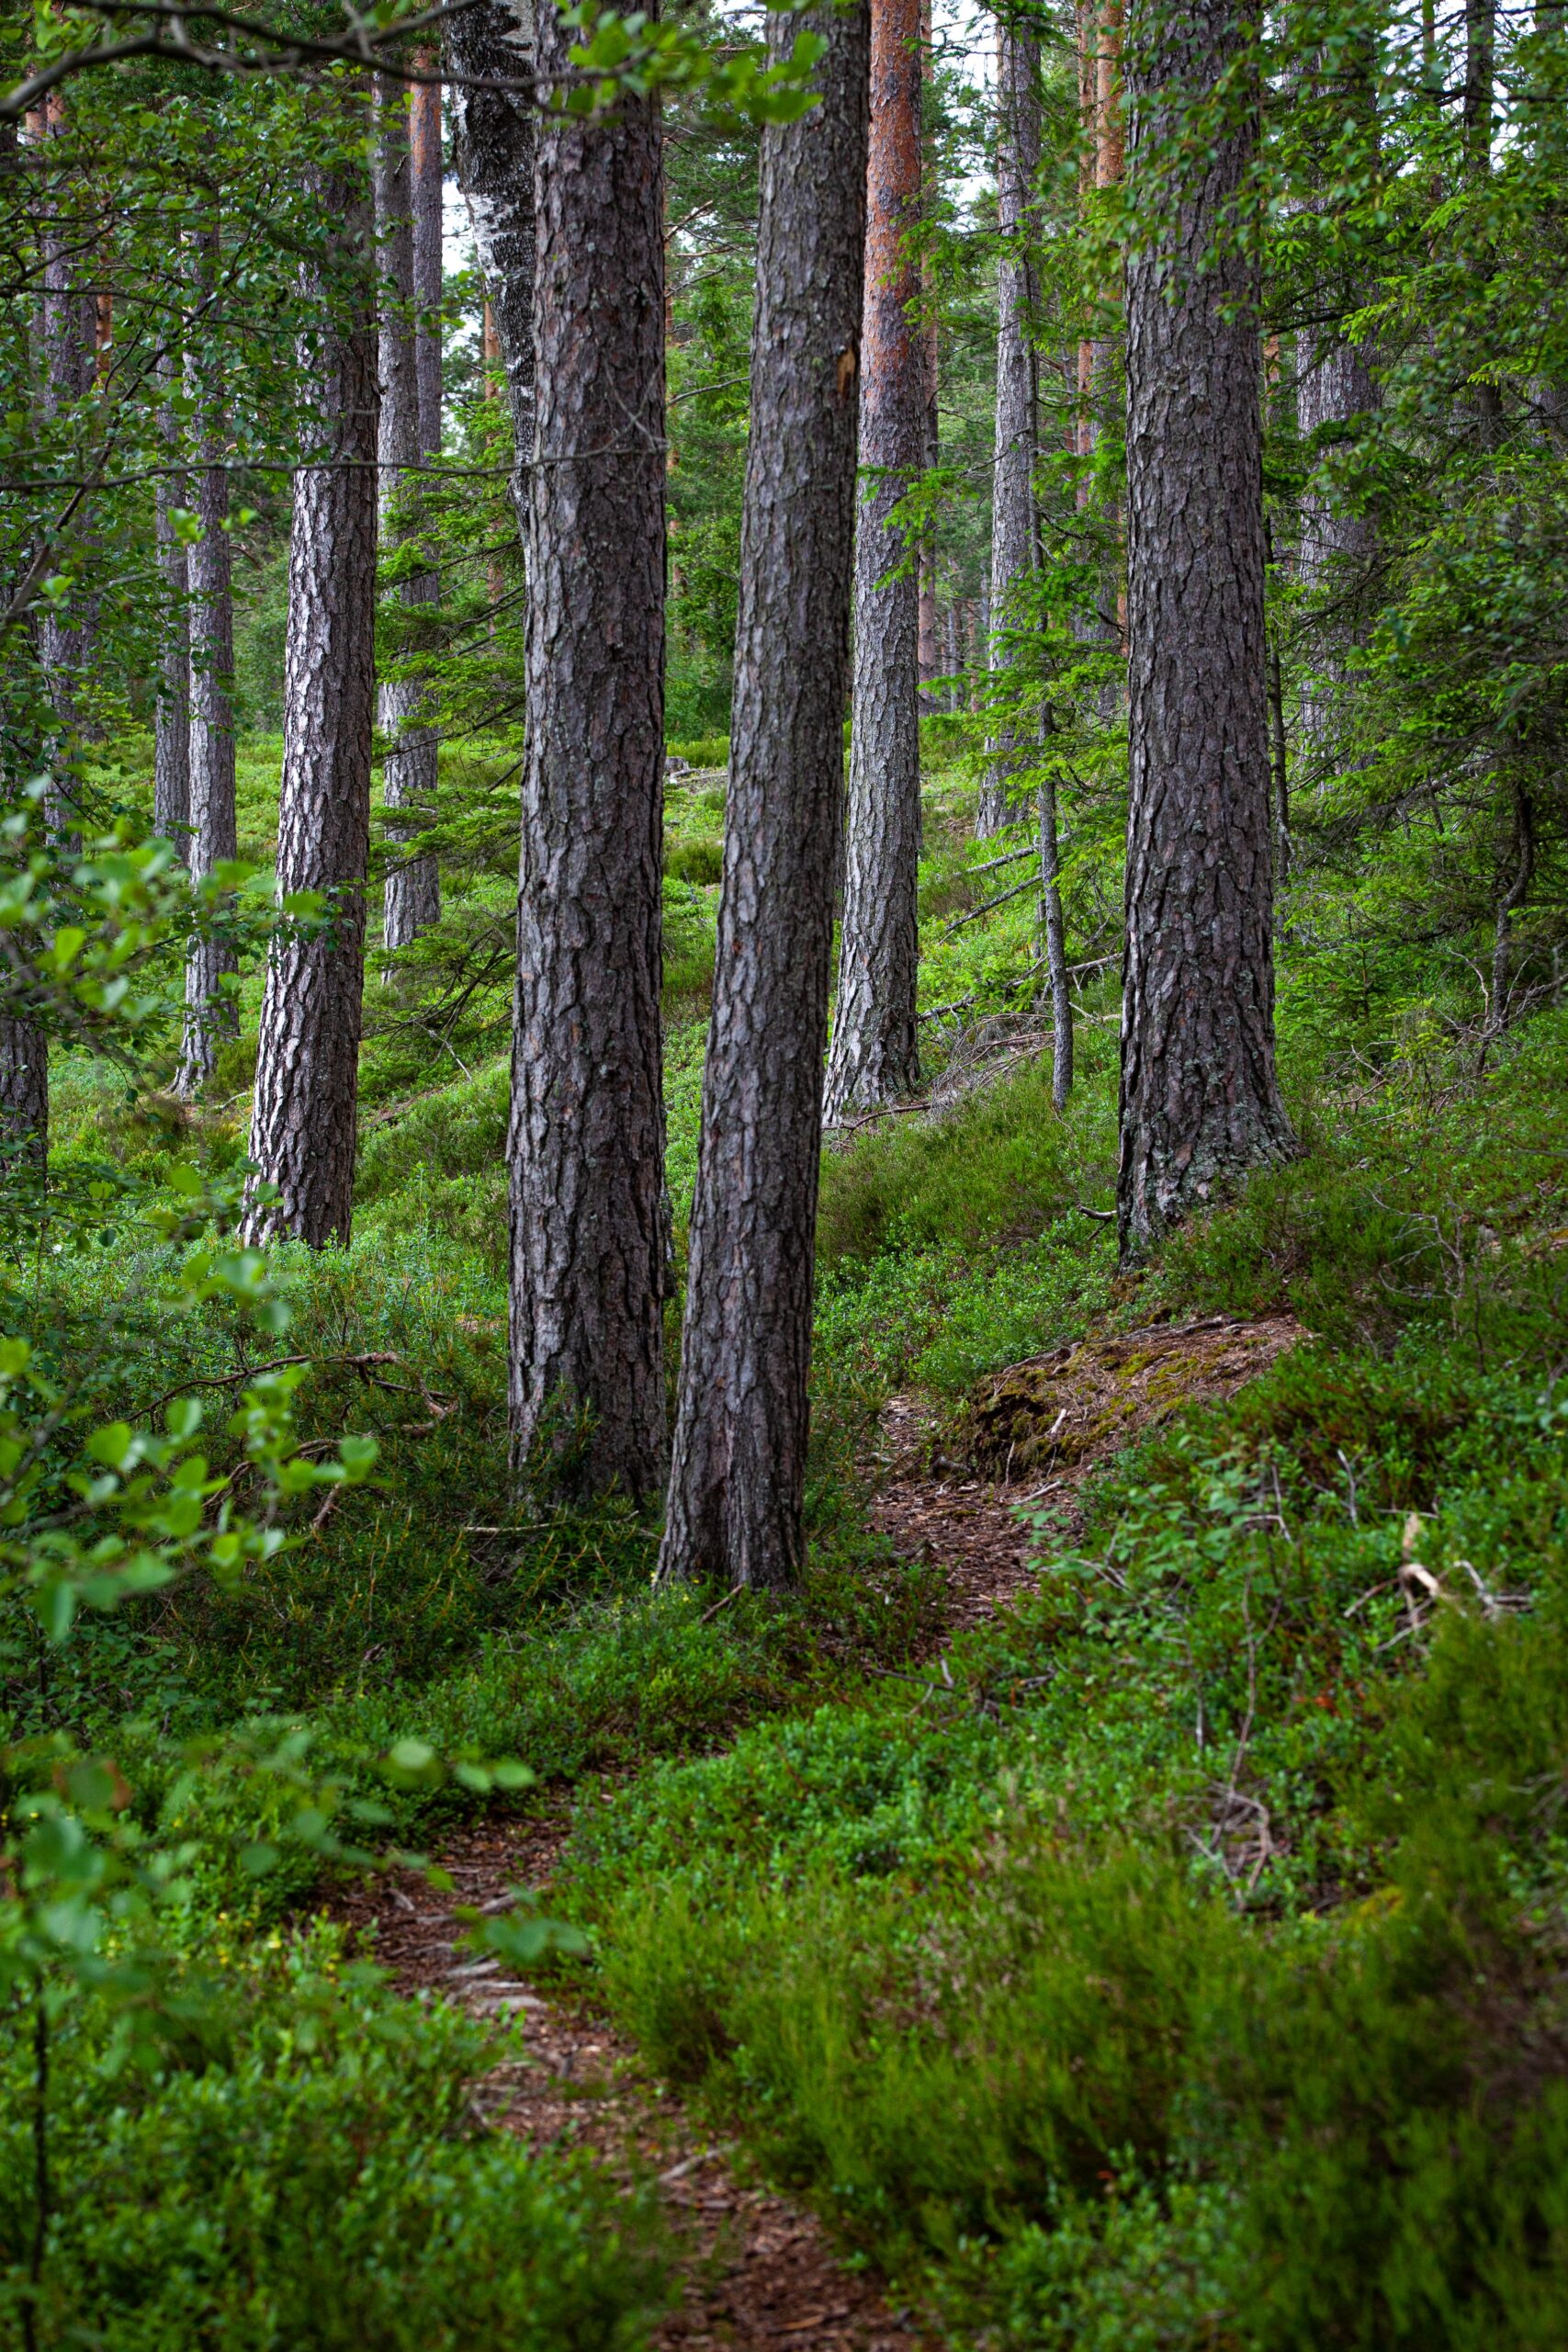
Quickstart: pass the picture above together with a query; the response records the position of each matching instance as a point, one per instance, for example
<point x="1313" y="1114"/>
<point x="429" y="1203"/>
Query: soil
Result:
<point x="754" y="2269"/>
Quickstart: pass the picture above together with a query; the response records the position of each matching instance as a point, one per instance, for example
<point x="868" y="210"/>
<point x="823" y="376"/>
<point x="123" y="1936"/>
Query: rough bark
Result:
<point x="1200" y="1097"/>
<point x="412" y="898"/>
<point x="494" y="137"/>
<point x="737" y="1481"/>
<point x="874" y="1053"/>
<point x="428" y="178"/>
<point x="24" y="1094"/>
<point x="586" y="1140"/>
<point x="171" y="756"/>
<point x="304" y="1125"/>
<point x="1336" y="384"/>
<point x="211" y="1014"/>
<point x="1012" y="479"/>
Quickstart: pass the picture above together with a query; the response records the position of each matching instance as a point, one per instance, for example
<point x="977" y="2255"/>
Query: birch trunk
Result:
<point x="1200" y="1097"/>
<point x="737" y="1486"/>
<point x="304" y="1126"/>
<point x="586" y="1140"/>
<point x="875" y="1056"/>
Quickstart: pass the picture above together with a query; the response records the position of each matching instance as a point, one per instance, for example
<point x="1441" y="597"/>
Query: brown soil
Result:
<point x="1031" y="1435"/>
<point x="753" y="2268"/>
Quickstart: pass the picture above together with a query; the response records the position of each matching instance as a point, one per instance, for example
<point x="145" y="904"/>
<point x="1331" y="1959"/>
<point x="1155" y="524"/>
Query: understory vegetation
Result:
<point x="1178" y="1962"/>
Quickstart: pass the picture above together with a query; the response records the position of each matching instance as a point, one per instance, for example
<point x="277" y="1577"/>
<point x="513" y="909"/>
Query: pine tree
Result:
<point x="412" y="902"/>
<point x="305" y="1122"/>
<point x="738" y="1480"/>
<point x="585" y="1146"/>
<point x="1200" y="1097"/>
<point x="875" y="1049"/>
<point x="210" y="1011"/>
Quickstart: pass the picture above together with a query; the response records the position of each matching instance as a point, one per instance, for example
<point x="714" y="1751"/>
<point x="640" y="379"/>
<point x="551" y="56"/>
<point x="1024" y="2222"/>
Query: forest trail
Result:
<point x="754" y="2269"/>
<point x="757" y="2270"/>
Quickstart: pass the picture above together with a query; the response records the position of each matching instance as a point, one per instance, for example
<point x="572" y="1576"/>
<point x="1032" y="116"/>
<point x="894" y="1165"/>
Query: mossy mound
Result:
<point x="1062" y="1411"/>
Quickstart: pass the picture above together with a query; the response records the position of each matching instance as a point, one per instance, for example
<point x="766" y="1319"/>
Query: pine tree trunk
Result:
<point x="171" y="757"/>
<point x="412" y="900"/>
<point x="24" y="1093"/>
<point x="1012" y="488"/>
<point x="586" y="1142"/>
<point x="737" y="1482"/>
<point x="494" y="137"/>
<point x="68" y="322"/>
<point x="427" y="174"/>
<point x="305" y="1123"/>
<point x="875" y="1049"/>
<point x="1200" y="1098"/>
<point x="211" y="1010"/>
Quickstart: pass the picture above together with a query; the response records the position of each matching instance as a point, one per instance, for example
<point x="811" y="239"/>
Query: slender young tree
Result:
<point x="1200" y="1097"/>
<point x="875" y="1049"/>
<point x="411" y="899"/>
<point x="171" y="750"/>
<point x="738" y="1480"/>
<point x="304" y="1126"/>
<point x="1012" y="478"/>
<point x="586" y="1139"/>
<point x="494" y="136"/>
<point x="211" y="1014"/>
<point x="68" y="320"/>
<point x="427" y="185"/>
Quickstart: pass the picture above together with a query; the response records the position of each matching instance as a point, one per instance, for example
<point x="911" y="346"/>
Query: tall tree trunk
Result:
<point x="427" y="175"/>
<point x="929" y="656"/>
<point x="412" y="900"/>
<point x="738" y="1483"/>
<point x="305" y="1123"/>
<point x="171" y="755"/>
<point x="211" y="1014"/>
<point x="1200" y="1097"/>
<point x="68" y="321"/>
<point x="1012" y="479"/>
<point x="494" y="136"/>
<point x="586" y="1140"/>
<point x="876" y="1053"/>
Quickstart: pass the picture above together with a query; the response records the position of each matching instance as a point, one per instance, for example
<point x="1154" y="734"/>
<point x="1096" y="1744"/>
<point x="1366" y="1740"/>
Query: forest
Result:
<point x="783" y="1176"/>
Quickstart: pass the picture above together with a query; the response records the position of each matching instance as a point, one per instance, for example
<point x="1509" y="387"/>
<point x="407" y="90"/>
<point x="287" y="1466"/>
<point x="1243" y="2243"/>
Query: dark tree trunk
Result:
<point x="876" y="1050"/>
<point x="737" y="1481"/>
<point x="304" y="1126"/>
<point x="210" y="1009"/>
<point x="24" y="1093"/>
<point x="494" y="137"/>
<point x="412" y="902"/>
<point x="586" y="1143"/>
<point x="171" y="761"/>
<point x="428" y="180"/>
<point x="1200" y="1098"/>
<point x="1054" y="940"/>
<point x="1012" y="482"/>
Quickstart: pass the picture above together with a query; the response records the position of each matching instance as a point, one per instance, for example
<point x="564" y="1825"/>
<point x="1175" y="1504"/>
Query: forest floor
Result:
<point x="755" y="2269"/>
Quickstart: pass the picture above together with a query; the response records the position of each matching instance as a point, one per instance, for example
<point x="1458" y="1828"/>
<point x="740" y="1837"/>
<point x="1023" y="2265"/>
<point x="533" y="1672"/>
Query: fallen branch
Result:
<point x="991" y="904"/>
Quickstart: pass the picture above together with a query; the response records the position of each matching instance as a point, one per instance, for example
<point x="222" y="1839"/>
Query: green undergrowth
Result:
<point x="304" y="2167"/>
<point x="1183" y="1963"/>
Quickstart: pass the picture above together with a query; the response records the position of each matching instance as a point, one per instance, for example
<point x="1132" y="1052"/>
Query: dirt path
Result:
<point x="756" y="2269"/>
